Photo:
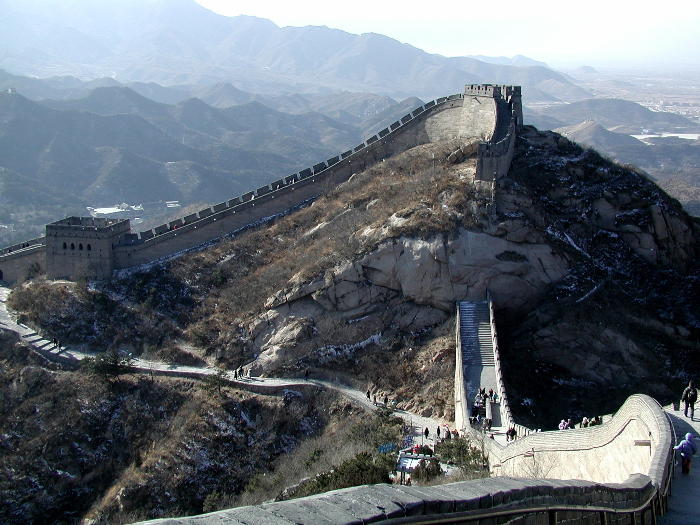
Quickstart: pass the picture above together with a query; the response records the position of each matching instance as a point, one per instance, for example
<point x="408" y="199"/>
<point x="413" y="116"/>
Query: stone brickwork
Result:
<point x="481" y="112"/>
<point x="83" y="247"/>
<point x="525" y="501"/>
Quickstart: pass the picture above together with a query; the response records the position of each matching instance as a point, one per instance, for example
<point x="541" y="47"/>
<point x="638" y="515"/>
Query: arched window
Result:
<point x="80" y="246"/>
<point x="65" y="246"/>
<point x="0" y="275"/>
<point x="89" y="248"/>
<point x="72" y="246"/>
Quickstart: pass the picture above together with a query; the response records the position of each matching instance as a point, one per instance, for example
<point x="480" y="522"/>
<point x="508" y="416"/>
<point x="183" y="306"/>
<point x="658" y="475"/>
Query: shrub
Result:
<point x="461" y="453"/>
<point x="363" y="469"/>
<point x="423" y="449"/>
<point x="214" y="383"/>
<point x="427" y="470"/>
<point x="108" y="365"/>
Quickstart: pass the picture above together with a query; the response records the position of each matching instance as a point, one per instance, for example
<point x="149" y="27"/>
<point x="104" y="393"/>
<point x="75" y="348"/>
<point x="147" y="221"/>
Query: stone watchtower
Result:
<point x="83" y="247"/>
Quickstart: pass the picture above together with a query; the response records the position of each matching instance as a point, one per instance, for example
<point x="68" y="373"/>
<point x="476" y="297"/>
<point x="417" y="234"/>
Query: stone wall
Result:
<point x="521" y="501"/>
<point x="461" y="402"/>
<point x="443" y="119"/>
<point x="637" y="439"/>
<point x="15" y="265"/>
<point x="479" y="114"/>
<point x="635" y="447"/>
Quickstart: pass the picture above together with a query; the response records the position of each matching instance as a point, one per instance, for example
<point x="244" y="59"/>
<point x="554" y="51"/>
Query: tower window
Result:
<point x="89" y="248"/>
<point x="72" y="246"/>
<point x="65" y="246"/>
<point x="80" y="246"/>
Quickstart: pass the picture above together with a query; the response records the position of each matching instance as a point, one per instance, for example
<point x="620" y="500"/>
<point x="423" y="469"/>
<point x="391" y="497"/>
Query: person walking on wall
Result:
<point x="689" y="397"/>
<point x="687" y="449"/>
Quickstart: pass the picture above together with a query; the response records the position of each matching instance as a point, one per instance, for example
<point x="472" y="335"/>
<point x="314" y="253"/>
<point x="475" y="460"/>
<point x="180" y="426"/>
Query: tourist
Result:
<point x="368" y="394"/>
<point x="584" y="422"/>
<point x="687" y="449"/>
<point x="511" y="434"/>
<point x="386" y="401"/>
<point x="562" y="424"/>
<point x="689" y="397"/>
<point x="374" y="399"/>
<point x="235" y="374"/>
<point x="306" y="374"/>
<point x="438" y="432"/>
<point x="426" y="433"/>
<point x="569" y="424"/>
<point x="491" y="394"/>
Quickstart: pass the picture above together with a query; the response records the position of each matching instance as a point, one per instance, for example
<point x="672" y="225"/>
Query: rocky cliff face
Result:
<point x="572" y="231"/>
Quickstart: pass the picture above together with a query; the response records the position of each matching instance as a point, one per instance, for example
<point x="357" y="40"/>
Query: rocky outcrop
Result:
<point x="570" y="229"/>
<point x="424" y="276"/>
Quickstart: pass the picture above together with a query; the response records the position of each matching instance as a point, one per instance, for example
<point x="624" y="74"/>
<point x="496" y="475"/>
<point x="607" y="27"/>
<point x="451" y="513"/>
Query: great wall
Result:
<point x="618" y="472"/>
<point x="93" y="248"/>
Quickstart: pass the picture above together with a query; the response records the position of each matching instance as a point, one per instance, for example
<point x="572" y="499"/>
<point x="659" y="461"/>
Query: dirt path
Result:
<point x="72" y="355"/>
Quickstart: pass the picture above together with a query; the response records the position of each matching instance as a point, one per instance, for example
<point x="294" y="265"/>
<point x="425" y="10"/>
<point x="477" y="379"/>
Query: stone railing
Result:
<point x="494" y="158"/>
<point x="39" y="241"/>
<point x="507" y="419"/>
<point x="460" y="394"/>
<point x="637" y="439"/>
<point x="490" y="500"/>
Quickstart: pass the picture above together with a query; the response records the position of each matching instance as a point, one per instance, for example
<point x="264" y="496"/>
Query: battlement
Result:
<point x="83" y="224"/>
<point x="491" y="90"/>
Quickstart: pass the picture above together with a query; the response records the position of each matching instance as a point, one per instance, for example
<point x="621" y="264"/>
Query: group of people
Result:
<point x="482" y="396"/>
<point x="566" y="424"/>
<point x="373" y="398"/>
<point x="687" y="447"/>
<point x="585" y="422"/>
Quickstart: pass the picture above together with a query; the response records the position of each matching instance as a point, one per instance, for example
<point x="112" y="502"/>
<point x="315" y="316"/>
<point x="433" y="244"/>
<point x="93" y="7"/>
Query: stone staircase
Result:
<point x="478" y="359"/>
<point x="475" y="334"/>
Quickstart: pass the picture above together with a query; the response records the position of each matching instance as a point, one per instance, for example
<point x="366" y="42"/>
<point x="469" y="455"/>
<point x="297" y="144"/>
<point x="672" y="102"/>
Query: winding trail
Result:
<point x="72" y="356"/>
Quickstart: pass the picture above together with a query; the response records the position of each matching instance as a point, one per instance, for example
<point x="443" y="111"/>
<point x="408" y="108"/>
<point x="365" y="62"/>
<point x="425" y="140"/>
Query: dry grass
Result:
<point x="235" y="278"/>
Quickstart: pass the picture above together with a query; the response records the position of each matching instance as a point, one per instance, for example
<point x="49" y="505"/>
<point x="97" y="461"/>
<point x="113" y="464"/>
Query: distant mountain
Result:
<point x="593" y="134"/>
<point x="179" y="42"/>
<point x="618" y="115"/>
<point x="673" y="162"/>
<point x="116" y="146"/>
<point x="251" y="126"/>
<point x="517" y="60"/>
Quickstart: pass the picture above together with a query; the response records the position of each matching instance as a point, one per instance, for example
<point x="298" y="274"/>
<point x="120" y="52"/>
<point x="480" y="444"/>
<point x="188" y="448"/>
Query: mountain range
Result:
<point x="177" y="42"/>
<point x="115" y="145"/>
<point x="622" y="116"/>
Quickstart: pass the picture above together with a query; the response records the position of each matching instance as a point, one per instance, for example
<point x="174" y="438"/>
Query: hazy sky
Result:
<point x="562" y="33"/>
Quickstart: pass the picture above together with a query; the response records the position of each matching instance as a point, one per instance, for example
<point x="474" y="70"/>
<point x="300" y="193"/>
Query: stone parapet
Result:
<point x="541" y="501"/>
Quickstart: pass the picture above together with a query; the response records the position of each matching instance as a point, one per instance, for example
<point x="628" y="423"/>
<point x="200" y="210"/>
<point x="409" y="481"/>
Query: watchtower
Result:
<point x="83" y="247"/>
<point x="510" y="95"/>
